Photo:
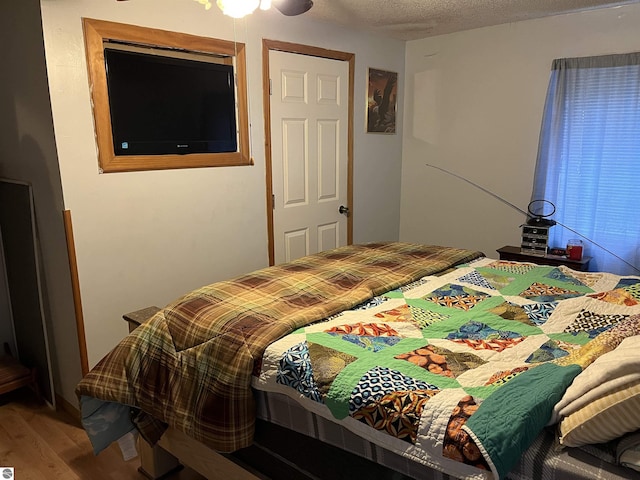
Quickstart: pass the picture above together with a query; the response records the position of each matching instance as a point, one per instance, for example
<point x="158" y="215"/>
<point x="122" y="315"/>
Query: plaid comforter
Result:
<point x="190" y="366"/>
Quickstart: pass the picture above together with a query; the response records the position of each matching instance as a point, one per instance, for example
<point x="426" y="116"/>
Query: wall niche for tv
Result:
<point x="164" y="100"/>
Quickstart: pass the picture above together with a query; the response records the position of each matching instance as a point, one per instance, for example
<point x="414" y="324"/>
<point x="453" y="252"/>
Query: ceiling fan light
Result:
<point x="206" y="3"/>
<point x="237" y="8"/>
<point x="265" y="4"/>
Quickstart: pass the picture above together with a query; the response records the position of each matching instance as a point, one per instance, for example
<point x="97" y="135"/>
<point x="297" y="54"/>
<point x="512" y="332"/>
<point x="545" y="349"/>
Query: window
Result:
<point x="589" y="156"/>
<point x="171" y="50"/>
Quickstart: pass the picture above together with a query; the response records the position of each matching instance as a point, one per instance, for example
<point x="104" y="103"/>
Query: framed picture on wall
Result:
<point x="382" y="96"/>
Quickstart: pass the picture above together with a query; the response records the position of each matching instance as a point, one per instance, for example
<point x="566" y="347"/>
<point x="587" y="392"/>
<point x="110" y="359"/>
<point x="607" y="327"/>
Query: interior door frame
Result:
<point x="267" y="46"/>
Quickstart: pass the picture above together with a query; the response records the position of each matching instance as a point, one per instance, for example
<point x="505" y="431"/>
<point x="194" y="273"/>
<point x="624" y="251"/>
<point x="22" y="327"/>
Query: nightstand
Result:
<point x="514" y="254"/>
<point x="137" y="318"/>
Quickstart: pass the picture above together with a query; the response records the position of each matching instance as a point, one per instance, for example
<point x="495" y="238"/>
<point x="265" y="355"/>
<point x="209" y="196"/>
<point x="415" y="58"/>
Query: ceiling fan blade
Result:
<point x="293" y="7"/>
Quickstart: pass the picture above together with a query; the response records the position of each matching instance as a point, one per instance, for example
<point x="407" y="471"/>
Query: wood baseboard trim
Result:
<point x="63" y="405"/>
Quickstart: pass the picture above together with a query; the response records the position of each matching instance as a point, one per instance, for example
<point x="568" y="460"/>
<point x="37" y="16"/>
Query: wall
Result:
<point x="28" y="153"/>
<point x="144" y="238"/>
<point x="474" y="106"/>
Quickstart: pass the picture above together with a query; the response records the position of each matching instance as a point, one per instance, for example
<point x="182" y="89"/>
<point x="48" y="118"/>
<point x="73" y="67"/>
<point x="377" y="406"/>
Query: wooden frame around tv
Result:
<point x="97" y="32"/>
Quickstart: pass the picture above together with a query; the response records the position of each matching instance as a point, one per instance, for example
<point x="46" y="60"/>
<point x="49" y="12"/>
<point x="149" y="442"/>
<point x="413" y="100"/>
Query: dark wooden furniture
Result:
<point x="514" y="254"/>
<point x="14" y="375"/>
<point x="137" y="318"/>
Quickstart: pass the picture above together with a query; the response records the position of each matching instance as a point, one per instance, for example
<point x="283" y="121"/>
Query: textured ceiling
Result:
<point x="413" y="19"/>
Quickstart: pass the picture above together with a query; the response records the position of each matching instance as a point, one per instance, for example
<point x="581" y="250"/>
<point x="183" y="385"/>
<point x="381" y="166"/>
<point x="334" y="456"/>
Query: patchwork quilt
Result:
<point x="459" y="371"/>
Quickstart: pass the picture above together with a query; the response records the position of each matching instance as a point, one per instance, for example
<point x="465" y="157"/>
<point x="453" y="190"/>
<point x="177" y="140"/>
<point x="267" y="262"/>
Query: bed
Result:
<point x="428" y="361"/>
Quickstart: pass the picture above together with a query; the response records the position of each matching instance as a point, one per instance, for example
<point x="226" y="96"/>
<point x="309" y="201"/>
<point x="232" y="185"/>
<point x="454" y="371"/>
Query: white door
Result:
<point x="309" y="133"/>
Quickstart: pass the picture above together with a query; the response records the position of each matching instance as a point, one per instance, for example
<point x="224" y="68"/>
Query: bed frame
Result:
<point x="176" y="449"/>
<point x="269" y="457"/>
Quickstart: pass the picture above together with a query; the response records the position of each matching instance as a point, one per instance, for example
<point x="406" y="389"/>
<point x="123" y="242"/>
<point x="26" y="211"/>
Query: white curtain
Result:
<point x="588" y="161"/>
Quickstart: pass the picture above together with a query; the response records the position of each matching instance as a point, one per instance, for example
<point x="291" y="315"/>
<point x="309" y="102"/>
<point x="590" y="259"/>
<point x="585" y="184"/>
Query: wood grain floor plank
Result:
<point x="42" y="444"/>
<point x="71" y="445"/>
<point x="28" y="453"/>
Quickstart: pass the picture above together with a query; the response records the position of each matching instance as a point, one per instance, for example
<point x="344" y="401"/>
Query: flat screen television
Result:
<point x="165" y="105"/>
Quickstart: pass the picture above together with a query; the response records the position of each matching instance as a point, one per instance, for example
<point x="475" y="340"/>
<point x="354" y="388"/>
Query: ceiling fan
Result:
<point x="286" y="7"/>
<point x="292" y="7"/>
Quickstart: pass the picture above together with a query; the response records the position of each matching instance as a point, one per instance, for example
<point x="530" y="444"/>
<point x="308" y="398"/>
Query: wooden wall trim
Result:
<point x="96" y="32"/>
<point x="75" y="285"/>
<point x="62" y="405"/>
<point x="266" y="109"/>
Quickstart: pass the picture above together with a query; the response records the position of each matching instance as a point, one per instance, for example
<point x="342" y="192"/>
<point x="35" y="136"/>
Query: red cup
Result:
<point x="574" y="249"/>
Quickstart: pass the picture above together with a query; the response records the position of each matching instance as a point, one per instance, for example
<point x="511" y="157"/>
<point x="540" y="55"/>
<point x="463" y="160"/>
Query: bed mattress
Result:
<point x="543" y="460"/>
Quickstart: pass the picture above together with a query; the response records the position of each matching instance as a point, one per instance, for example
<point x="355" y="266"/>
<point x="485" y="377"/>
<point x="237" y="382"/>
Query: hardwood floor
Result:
<point x="42" y="444"/>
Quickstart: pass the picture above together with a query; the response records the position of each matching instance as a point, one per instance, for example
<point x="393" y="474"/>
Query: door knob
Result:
<point x="344" y="210"/>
